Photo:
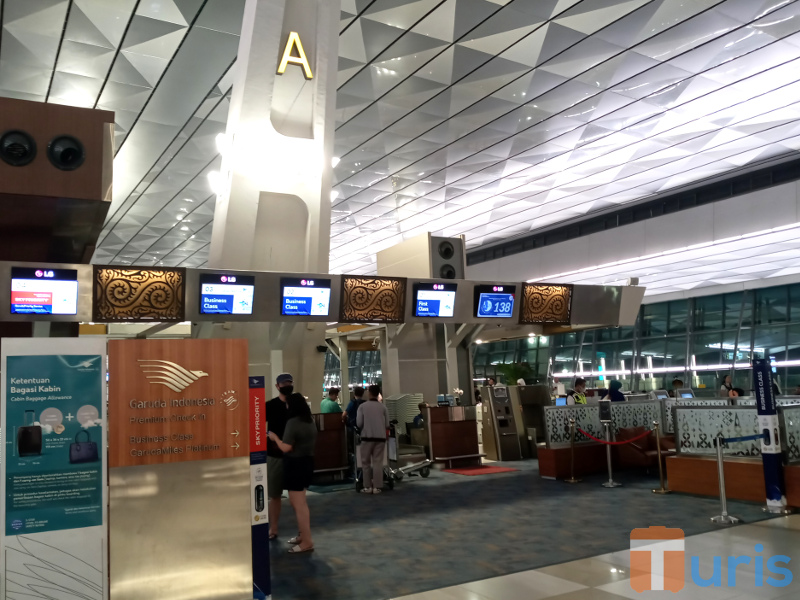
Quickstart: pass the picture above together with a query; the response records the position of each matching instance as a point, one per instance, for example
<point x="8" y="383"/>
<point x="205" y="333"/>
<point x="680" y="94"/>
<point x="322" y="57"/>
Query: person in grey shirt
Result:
<point x="297" y="445"/>
<point x="372" y="421"/>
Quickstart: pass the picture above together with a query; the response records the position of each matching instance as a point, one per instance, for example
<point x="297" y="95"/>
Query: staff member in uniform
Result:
<point x="578" y="394"/>
<point x="297" y="446"/>
<point x="276" y="414"/>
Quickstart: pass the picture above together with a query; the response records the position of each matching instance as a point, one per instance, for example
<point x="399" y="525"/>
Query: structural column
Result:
<point x="273" y="206"/>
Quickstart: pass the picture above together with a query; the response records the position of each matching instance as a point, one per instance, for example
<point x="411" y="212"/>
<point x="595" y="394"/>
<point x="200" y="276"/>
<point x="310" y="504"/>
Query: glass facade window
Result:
<point x="656" y="346"/>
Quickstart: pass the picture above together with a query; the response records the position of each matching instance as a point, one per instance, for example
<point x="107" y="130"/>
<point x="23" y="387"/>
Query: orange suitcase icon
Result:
<point x="657" y="559"/>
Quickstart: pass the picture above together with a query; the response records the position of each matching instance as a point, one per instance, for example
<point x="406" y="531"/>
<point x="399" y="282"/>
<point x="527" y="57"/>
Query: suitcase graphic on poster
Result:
<point x="29" y="436"/>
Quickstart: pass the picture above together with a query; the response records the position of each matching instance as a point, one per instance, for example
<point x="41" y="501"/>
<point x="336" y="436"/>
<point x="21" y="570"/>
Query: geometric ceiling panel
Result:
<point x="487" y="118"/>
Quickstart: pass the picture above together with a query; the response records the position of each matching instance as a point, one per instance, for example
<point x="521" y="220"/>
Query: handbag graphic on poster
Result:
<point x="29" y="436"/>
<point x="83" y="452"/>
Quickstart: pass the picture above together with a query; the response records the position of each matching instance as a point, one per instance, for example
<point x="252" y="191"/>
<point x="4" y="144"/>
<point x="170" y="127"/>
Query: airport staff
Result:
<point x="577" y="395"/>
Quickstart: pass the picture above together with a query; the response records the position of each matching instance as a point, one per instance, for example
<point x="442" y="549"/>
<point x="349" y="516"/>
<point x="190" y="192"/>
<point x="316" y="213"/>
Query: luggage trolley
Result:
<point x="406" y="455"/>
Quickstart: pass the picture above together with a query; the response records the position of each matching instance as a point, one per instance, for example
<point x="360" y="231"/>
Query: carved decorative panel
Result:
<point x="543" y="303"/>
<point x="138" y="294"/>
<point x="791" y="433"/>
<point x="373" y="299"/>
<point x="696" y="429"/>
<point x="587" y="417"/>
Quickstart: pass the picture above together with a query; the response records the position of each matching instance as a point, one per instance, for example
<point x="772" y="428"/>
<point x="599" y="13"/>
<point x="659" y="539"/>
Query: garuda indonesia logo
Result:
<point x="170" y="374"/>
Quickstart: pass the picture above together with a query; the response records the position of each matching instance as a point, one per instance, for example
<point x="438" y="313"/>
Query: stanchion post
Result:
<point x="662" y="489"/>
<point x="572" y="453"/>
<point x="724" y="518"/>
<point x="610" y="483"/>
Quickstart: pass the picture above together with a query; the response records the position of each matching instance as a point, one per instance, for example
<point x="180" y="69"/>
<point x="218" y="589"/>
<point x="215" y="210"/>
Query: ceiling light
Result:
<point x="215" y="180"/>
<point x="188" y="200"/>
<point x="184" y="229"/>
<point x="335" y="161"/>
<point x="223" y="143"/>
<point x="334" y="195"/>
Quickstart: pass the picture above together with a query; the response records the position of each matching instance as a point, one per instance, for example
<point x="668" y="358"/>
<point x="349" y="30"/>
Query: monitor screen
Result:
<point x="661" y="395"/>
<point x="434" y="299"/>
<point x="561" y="401"/>
<point x="44" y="291"/>
<point x="305" y="297"/>
<point x="687" y="395"/>
<point x="494" y="301"/>
<point x="226" y="294"/>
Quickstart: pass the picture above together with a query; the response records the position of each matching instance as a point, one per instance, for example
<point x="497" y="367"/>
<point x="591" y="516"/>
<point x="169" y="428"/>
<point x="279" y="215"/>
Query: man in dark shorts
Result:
<point x="276" y="414"/>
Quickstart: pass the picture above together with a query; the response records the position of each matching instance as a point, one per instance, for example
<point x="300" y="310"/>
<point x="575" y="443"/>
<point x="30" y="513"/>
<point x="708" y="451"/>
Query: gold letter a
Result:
<point x="300" y="59"/>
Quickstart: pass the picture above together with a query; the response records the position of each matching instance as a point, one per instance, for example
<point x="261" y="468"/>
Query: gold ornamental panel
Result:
<point x="373" y="299"/>
<point x="544" y="303"/>
<point x="138" y="294"/>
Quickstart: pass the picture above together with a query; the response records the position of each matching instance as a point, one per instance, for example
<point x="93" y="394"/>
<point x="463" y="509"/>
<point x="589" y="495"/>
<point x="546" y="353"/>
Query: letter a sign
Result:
<point x="289" y="57"/>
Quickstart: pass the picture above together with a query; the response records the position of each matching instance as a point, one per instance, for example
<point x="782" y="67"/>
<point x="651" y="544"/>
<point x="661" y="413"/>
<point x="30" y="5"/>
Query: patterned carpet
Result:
<point x="446" y="530"/>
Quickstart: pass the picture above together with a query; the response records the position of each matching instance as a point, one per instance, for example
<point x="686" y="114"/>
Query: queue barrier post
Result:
<point x="724" y="518"/>
<point x="610" y="483"/>
<point x="663" y="489"/>
<point x="572" y="453"/>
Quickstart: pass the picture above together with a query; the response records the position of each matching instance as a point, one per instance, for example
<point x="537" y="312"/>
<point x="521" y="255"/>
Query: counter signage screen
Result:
<point x="494" y="301"/>
<point x="226" y="294"/>
<point x="44" y="291"/>
<point x="434" y="299"/>
<point x="305" y="297"/>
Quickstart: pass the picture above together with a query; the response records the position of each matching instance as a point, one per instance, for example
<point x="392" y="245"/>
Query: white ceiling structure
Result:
<point x="765" y="255"/>
<point x="488" y="118"/>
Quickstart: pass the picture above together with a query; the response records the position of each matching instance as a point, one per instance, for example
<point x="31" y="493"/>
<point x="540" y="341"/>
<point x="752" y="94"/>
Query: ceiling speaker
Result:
<point x="17" y="148"/>
<point x="66" y="153"/>
<point x="446" y="250"/>
<point x="447" y="272"/>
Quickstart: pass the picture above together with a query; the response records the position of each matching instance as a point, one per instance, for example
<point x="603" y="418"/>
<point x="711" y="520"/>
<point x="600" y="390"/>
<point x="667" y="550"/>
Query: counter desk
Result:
<point x="452" y="435"/>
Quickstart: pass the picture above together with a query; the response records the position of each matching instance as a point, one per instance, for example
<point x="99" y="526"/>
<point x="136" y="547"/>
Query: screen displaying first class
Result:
<point x="226" y="294"/>
<point x="305" y="297"/>
<point x="44" y="291"/>
<point x="494" y="301"/>
<point x="434" y="299"/>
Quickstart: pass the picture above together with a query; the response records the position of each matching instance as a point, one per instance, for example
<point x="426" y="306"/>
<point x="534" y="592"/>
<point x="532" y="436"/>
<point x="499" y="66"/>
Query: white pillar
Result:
<point x="273" y="211"/>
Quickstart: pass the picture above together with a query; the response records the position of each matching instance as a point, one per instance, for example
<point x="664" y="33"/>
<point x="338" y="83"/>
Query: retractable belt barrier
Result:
<point x="719" y="442"/>
<point x="610" y="443"/>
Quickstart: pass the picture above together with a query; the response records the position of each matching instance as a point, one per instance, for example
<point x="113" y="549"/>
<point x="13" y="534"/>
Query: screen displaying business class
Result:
<point x="494" y="301"/>
<point x="223" y="294"/>
<point x="44" y="291"/>
<point x="305" y="297"/>
<point x="434" y="299"/>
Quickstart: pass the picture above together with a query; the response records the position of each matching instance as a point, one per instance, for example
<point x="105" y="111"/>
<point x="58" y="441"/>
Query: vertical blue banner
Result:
<point x="769" y="425"/>
<point x="258" y="489"/>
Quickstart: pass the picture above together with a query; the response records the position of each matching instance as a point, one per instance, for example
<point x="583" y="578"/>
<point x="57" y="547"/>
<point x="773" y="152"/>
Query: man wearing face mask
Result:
<point x="276" y="414"/>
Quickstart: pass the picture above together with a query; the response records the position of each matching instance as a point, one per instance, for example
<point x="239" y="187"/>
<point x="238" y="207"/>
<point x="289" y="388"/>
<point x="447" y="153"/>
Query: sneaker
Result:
<point x="366" y="490"/>
<point x="377" y="491"/>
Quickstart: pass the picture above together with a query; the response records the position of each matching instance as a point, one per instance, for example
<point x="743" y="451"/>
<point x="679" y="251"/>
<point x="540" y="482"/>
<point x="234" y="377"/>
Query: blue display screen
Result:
<point x="435" y="299"/>
<point x="494" y="301"/>
<point x="305" y="297"/>
<point x="226" y="294"/>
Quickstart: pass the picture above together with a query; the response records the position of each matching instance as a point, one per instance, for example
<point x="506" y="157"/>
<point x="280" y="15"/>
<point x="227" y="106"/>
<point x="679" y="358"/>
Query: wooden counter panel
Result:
<point x="589" y="458"/>
<point x="744" y="477"/>
<point x="203" y="415"/>
<point x="791" y="475"/>
<point x="454" y="438"/>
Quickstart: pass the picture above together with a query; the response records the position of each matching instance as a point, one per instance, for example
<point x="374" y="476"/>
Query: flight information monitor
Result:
<point x="223" y="294"/>
<point x="305" y="297"/>
<point x="434" y="299"/>
<point x="494" y="301"/>
<point x="44" y="291"/>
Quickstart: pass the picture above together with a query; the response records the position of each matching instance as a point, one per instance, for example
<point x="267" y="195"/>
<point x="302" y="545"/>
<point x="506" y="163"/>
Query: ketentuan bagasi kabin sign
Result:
<point x="53" y="498"/>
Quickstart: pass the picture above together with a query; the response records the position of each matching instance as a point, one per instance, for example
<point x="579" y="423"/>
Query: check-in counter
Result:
<point x="330" y="453"/>
<point x="453" y="435"/>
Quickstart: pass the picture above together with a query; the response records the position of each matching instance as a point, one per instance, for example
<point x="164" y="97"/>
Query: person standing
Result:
<point x="297" y="445"/>
<point x="615" y="391"/>
<point x="578" y="394"/>
<point x="276" y="414"/>
<point x="351" y="411"/>
<point x="331" y="403"/>
<point x="726" y="387"/>
<point x="373" y="421"/>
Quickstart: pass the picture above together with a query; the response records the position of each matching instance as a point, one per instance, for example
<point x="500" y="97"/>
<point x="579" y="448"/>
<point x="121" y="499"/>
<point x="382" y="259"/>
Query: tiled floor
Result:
<point x="606" y="577"/>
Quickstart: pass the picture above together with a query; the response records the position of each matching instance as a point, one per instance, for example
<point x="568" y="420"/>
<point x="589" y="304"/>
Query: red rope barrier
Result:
<point x="638" y="437"/>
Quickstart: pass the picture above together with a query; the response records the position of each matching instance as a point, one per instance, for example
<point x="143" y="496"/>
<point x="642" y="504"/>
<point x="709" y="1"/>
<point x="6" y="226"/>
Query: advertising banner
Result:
<point x="53" y="466"/>
<point x="769" y="426"/>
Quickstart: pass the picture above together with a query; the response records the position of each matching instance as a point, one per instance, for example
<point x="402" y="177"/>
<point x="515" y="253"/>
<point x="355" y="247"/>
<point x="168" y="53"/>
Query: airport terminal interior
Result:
<point x="399" y="299"/>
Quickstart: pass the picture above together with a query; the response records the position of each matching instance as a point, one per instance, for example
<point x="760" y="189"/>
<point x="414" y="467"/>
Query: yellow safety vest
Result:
<point x="579" y="398"/>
